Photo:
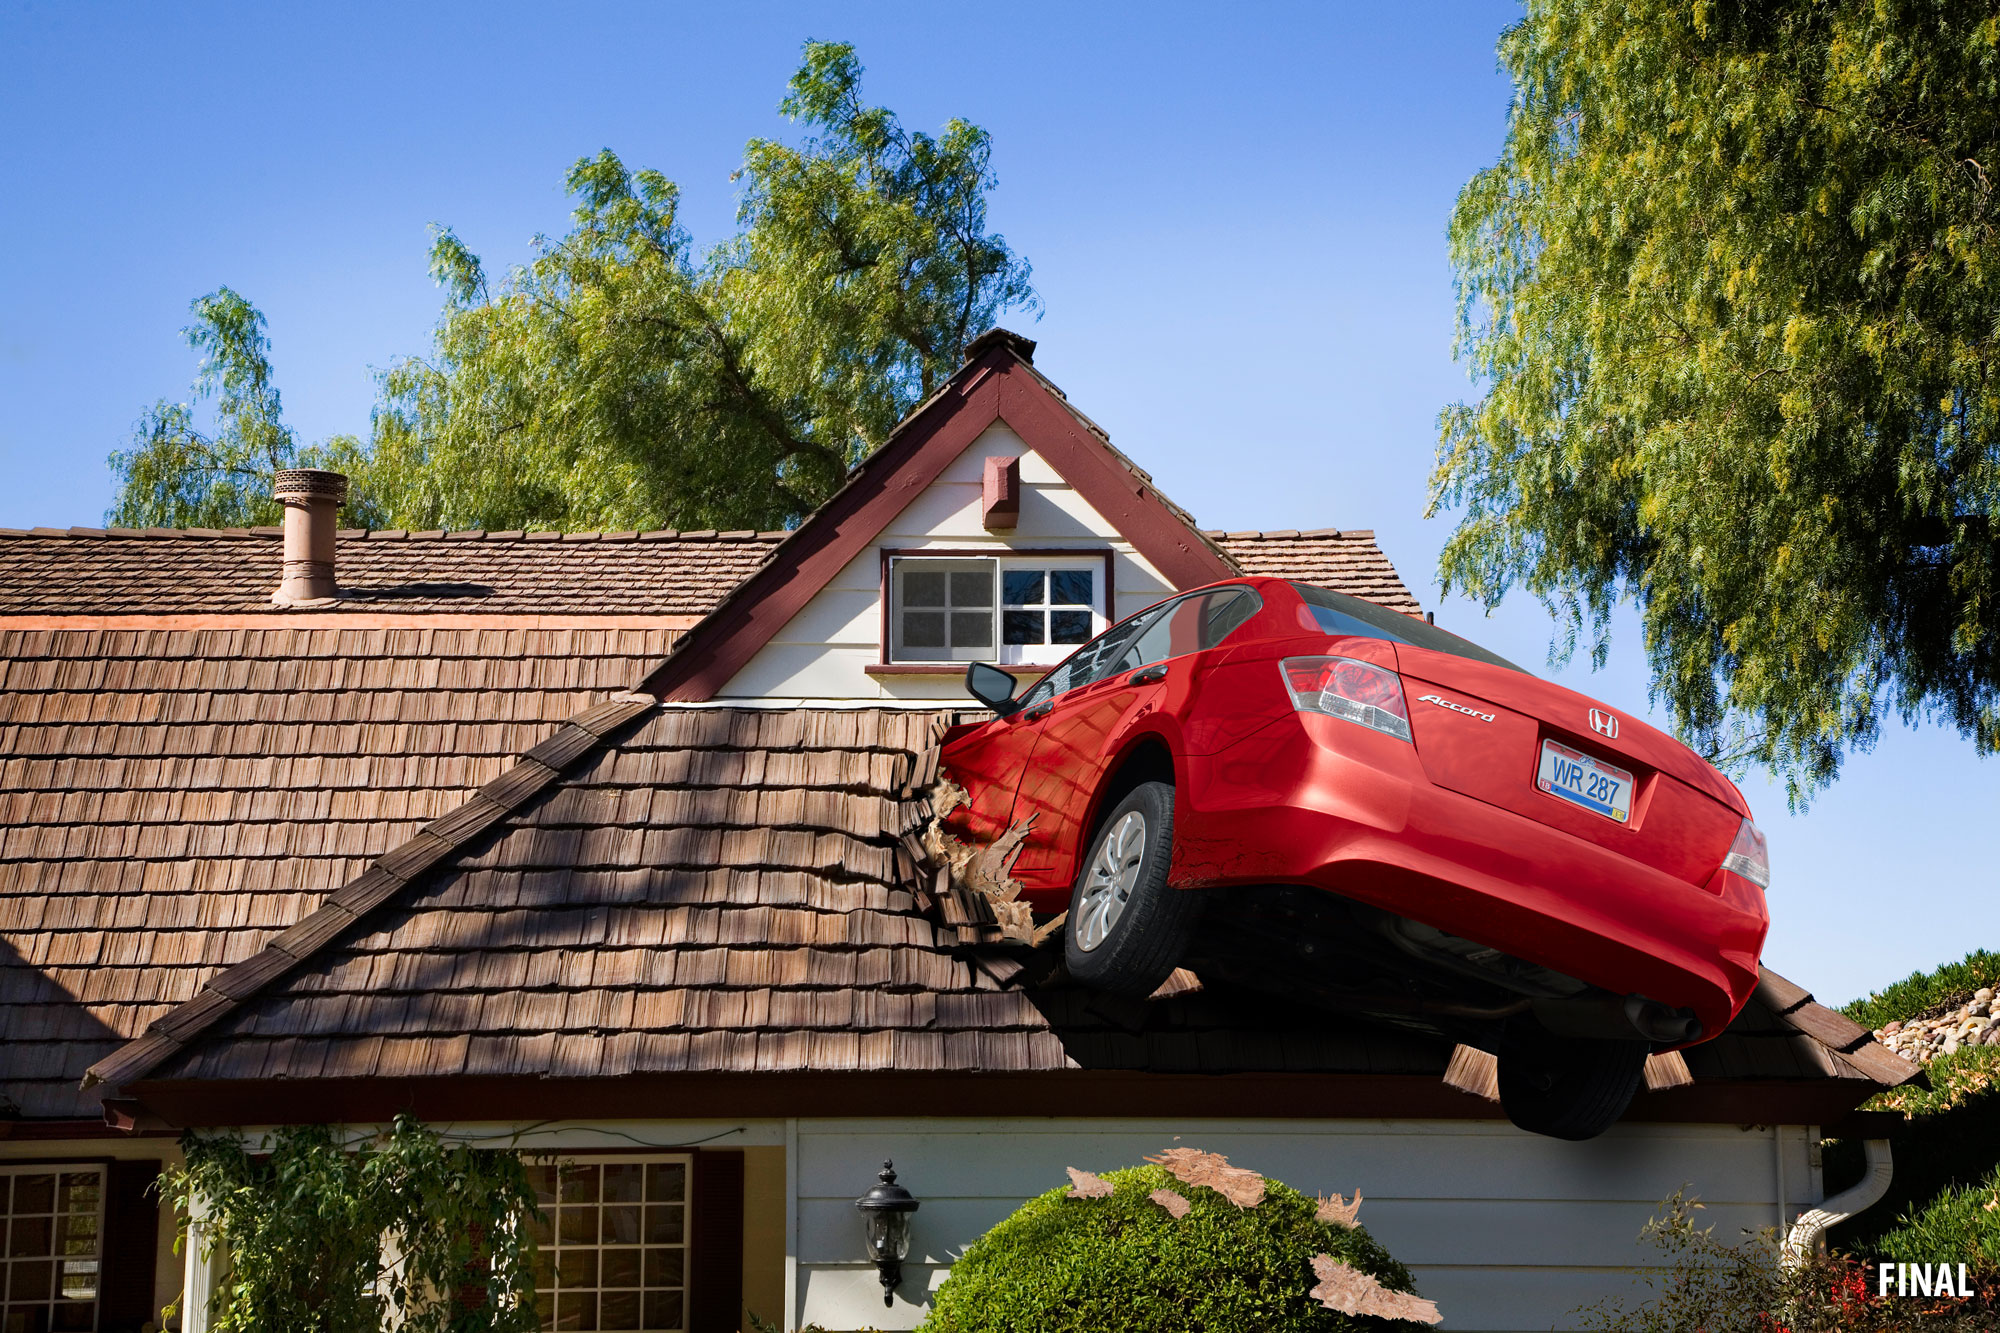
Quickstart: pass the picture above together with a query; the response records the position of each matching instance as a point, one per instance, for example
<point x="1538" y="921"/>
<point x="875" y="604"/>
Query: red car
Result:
<point x="1360" y="809"/>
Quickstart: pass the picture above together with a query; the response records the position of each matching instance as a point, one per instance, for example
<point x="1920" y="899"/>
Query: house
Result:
<point x="603" y="842"/>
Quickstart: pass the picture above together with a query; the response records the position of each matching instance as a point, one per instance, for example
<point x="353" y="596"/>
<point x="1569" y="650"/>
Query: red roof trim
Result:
<point x="997" y="386"/>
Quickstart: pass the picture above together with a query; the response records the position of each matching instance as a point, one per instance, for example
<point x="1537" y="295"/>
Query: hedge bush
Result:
<point x="1921" y="992"/>
<point x="1124" y="1263"/>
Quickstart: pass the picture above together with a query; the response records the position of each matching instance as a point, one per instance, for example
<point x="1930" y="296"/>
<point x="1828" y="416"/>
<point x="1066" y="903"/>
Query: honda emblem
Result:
<point x="1604" y="724"/>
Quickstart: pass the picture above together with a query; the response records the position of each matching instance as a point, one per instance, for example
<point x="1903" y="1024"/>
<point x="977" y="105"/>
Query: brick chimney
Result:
<point x="312" y="500"/>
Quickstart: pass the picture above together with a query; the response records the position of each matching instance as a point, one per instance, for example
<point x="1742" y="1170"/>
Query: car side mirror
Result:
<point x="992" y="687"/>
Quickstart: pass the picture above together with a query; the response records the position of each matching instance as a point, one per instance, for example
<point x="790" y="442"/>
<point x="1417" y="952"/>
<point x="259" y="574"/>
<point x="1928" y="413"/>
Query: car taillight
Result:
<point x="1749" y="857"/>
<point x="1344" y="688"/>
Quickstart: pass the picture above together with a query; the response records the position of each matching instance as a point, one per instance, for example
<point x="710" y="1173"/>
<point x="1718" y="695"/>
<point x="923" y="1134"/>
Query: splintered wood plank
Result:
<point x="1475" y="1071"/>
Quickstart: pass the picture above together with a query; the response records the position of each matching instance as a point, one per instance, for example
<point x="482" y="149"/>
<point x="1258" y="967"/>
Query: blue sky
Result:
<point x="1236" y="218"/>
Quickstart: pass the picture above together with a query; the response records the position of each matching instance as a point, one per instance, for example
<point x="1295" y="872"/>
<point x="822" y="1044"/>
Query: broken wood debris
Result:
<point x="1475" y="1071"/>
<point x="985" y="897"/>
<point x="1174" y="1203"/>
<point x="1337" y="1209"/>
<point x="1087" y="1185"/>
<point x="1351" y="1291"/>
<point x="1191" y="1166"/>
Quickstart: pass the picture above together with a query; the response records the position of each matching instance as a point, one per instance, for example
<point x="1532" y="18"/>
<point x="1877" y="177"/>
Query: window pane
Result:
<point x="1072" y="587"/>
<point x="578" y="1226"/>
<point x="666" y="1182"/>
<point x="1069" y="626"/>
<point x="923" y="629"/>
<point x="79" y="1193"/>
<point x="923" y="588"/>
<point x="972" y="588"/>
<point x="618" y="1309"/>
<point x="972" y="629"/>
<point x="623" y="1182"/>
<point x="35" y="1194"/>
<point x="663" y="1309"/>
<point x="31" y="1237"/>
<point x="33" y="1282"/>
<point x="663" y="1268"/>
<point x="79" y="1280"/>
<point x="73" y="1317"/>
<point x="576" y="1309"/>
<point x="663" y="1224"/>
<point x="1021" y="587"/>
<point x="579" y="1184"/>
<point x="621" y="1268"/>
<point x="576" y="1268"/>
<point x="1021" y="627"/>
<point x="543" y="1178"/>
<point x="621" y="1224"/>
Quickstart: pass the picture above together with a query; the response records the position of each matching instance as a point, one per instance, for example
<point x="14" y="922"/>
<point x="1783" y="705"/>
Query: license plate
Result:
<point x="1582" y="780"/>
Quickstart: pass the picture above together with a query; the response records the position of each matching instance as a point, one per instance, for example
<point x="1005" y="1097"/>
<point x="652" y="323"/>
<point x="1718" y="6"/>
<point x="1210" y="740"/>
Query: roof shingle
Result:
<point x="171" y="800"/>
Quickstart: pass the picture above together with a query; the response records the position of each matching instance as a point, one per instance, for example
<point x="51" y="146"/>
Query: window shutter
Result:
<point x="715" y="1250"/>
<point x="131" y="1247"/>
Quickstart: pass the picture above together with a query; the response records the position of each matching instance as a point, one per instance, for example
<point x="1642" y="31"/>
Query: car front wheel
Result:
<point x="1570" y="1089"/>
<point x="1127" y="930"/>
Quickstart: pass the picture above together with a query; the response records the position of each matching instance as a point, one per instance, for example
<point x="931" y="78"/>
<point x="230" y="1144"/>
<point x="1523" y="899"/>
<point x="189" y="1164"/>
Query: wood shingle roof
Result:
<point x="172" y="799"/>
<point x="722" y="892"/>
<point x="51" y="572"/>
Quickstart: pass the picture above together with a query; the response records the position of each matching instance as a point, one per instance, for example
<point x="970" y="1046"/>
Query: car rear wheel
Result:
<point x="1570" y="1089"/>
<point x="1127" y="930"/>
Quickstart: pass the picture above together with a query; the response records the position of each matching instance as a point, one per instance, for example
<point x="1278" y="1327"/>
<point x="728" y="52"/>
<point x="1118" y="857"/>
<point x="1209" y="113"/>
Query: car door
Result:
<point x="1068" y="702"/>
<point x="1079" y="737"/>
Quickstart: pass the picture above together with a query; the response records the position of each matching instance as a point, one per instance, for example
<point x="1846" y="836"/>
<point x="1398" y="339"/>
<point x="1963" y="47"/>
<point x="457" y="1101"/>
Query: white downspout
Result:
<point x="1809" y="1231"/>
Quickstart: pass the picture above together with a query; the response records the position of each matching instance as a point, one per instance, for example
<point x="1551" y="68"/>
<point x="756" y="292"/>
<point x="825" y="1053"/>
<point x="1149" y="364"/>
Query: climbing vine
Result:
<point x="330" y="1235"/>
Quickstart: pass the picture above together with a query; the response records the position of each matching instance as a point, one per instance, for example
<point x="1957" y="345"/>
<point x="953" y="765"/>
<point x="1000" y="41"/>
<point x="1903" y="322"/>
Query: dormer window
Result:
<point x="1021" y="608"/>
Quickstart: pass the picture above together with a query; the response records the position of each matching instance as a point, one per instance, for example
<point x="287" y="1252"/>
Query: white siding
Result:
<point x="1503" y="1230"/>
<point x="823" y="653"/>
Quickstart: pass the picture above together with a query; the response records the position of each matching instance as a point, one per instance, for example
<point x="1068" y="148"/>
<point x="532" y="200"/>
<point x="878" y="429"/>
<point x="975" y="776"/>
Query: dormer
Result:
<point x="996" y="524"/>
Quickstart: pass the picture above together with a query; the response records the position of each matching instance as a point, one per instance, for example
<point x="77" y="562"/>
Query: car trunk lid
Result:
<point x="1479" y="729"/>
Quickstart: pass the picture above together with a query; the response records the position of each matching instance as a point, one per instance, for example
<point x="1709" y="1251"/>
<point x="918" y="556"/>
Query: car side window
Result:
<point x="1089" y="662"/>
<point x="1190" y="625"/>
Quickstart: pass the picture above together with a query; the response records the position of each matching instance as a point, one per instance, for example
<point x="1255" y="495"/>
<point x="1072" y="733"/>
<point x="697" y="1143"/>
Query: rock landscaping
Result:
<point x="1950" y="1028"/>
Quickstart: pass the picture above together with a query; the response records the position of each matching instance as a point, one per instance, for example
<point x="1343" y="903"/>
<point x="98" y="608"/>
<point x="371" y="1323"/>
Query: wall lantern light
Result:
<point x="885" y="1215"/>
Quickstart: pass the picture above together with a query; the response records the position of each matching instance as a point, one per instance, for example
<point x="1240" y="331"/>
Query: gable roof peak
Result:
<point x="999" y="337"/>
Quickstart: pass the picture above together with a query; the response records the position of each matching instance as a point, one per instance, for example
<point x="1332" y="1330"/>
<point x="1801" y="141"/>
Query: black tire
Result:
<point x="1571" y="1089"/>
<point x="1149" y="925"/>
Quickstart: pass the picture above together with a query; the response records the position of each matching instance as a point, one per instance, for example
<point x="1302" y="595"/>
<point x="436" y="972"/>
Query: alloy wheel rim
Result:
<point x="1114" y="871"/>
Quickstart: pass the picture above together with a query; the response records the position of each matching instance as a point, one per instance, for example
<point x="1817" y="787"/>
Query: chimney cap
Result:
<point x="308" y="483"/>
<point x="999" y="337"/>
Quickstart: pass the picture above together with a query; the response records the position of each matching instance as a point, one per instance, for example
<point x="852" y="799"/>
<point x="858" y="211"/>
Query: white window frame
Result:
<point x="58" y="1169"/>
<point x="1097" y="563"/>
<point x="555" y="1290"/>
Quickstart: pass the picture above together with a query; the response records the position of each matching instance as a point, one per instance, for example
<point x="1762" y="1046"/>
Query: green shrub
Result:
<point x="1921" y="991"/>
<point x="1711" y="1284"/>
<point x="1958" y="1224"/>
<point x="1064" y="1265"/>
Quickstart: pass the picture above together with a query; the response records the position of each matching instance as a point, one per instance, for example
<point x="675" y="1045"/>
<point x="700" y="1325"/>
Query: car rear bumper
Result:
<point x="1322" y="802"/>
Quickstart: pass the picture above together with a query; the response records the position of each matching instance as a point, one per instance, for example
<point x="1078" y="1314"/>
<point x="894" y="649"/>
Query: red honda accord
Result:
<point x="1360" y="809"/>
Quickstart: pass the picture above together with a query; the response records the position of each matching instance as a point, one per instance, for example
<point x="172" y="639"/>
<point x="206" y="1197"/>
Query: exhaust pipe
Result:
<point x="1608" y="1017"/>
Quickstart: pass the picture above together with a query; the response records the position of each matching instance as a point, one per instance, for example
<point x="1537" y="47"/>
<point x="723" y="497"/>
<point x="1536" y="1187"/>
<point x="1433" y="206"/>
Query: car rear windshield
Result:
<point x="1337" y="613"/>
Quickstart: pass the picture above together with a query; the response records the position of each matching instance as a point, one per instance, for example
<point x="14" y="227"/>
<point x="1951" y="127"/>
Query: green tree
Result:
<point x="1730" y="296"/>
<point x="620" y="380"/>
<point x="175" y="475"/>
<point x="326" y="1236"/>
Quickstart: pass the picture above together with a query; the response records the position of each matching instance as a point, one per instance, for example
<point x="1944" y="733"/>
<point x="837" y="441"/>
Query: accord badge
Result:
<point x="1456" y="708"/>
